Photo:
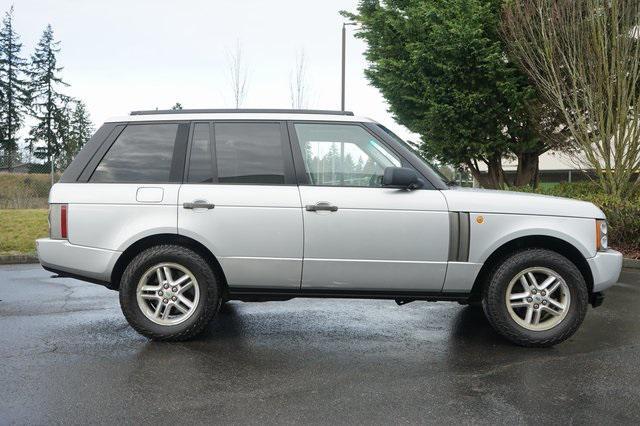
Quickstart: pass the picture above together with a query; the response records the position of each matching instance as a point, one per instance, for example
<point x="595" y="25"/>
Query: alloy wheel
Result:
<point x="168" y="294"/>
<point x="538" y="299"/>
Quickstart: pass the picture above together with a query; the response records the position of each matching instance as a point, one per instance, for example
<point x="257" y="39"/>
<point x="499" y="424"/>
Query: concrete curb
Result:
<point x="13" y="259"/>
<point x="631" y="263"/>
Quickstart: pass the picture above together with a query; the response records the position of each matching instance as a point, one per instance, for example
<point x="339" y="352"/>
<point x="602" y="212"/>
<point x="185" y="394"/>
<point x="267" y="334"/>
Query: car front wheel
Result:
<point x="536" y="297"/>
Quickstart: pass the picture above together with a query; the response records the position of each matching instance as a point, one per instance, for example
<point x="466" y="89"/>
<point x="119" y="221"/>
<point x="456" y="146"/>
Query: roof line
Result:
<point x="241" y="111"/>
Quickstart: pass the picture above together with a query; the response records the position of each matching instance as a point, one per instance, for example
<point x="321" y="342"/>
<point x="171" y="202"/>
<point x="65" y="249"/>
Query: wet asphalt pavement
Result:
<point x="68" y="356"/>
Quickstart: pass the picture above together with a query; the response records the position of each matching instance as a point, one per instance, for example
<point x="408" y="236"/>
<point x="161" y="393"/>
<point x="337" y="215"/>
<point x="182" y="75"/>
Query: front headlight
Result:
<point x="602" y="241"/>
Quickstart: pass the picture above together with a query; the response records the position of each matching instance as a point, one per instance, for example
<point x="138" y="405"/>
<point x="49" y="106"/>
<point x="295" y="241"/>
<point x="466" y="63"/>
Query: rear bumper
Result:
<point x="605" y="268"/>
<point x="90" y="264"/>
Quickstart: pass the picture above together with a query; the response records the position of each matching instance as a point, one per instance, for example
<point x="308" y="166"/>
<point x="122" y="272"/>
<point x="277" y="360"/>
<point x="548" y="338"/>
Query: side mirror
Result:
<point x="402" y="178"/>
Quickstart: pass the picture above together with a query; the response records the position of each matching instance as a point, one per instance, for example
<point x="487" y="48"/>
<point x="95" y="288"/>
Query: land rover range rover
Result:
<point x="181" y="211"/>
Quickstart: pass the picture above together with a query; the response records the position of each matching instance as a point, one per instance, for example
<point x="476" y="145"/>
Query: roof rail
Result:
<point x="241" y="111"/>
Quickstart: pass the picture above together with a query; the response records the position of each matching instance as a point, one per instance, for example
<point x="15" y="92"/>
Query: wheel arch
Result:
<point x="531" y="241"/>
<point x="158" y="239"/>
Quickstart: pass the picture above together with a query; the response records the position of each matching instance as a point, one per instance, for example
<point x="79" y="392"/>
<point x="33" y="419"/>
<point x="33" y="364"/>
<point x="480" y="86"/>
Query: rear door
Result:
<point x="240" y="199"/>
<point x="129" y="189"/>
<point x="358" y="235"/>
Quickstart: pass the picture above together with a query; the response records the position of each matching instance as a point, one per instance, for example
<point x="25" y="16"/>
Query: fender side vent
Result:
<point x="459" y="231"/>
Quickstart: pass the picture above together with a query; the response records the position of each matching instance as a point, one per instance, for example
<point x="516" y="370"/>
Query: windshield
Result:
<point x="411" y="148"/>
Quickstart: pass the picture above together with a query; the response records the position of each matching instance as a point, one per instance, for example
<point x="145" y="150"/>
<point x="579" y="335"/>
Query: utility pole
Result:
<point x="344" y="45"/>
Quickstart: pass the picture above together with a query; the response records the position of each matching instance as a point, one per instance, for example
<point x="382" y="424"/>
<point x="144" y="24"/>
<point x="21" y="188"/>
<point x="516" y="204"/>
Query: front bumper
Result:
<point x="605" y="269"/>
<point x="91" y="264"/>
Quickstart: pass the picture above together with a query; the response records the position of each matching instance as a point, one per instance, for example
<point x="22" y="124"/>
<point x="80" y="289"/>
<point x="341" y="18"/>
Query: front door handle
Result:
<point x="198" y="204"/>
<point x="321" y="206"/>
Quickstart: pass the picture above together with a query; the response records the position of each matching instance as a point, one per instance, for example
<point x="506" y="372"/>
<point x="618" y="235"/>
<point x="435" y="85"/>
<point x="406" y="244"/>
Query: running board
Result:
<point x="287" y="293"/>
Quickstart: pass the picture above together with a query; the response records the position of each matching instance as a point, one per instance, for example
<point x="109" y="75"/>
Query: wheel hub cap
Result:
<point x="538" y="299"/>
<point x="168" y="294"/>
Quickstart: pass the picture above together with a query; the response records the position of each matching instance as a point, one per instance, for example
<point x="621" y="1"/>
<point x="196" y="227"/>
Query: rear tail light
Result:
<point x="58" y="221"/>
<point x="63" y="221"/>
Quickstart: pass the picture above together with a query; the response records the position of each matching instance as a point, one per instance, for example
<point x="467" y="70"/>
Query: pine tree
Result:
<point x="80" y="129"/>
<point x="14" y="97"/>
<point x="3" y="152"/>
<point x="49" y="107"/>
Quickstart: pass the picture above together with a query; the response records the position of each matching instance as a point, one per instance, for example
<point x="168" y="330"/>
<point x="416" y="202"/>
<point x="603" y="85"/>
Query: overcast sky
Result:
<point x="120" y="55"/>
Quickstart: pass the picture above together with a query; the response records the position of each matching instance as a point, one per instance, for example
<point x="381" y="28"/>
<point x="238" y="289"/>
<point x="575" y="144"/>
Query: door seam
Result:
<point x="303" y="238"/>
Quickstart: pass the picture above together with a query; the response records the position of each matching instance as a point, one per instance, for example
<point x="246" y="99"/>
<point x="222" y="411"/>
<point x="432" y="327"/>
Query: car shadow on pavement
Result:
<point x="470" y="326"/>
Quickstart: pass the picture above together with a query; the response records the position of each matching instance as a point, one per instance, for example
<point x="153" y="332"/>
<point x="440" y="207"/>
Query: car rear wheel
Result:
<point x="169" y="292"/>
<point x="536" y="297"/>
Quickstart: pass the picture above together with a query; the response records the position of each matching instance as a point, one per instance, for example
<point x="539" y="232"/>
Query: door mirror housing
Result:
<point x="402" y="178"/>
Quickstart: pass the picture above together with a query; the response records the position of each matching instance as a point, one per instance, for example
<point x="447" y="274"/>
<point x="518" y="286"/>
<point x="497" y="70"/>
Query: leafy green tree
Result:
<point x="14" y="97"/>
<point x="442" y="67"/>
<point x="78" y="131"/>
<point x="49" y="107"/>
<point x="177" y="107"/>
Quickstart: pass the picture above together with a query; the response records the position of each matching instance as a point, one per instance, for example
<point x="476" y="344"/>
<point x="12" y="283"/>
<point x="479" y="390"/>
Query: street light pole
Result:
<point x="344" y="45"/>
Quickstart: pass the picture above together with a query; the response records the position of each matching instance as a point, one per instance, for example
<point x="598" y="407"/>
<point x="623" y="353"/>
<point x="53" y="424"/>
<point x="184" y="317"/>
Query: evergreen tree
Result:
<point x="49" y="106"/>
<point x="3" y="152"/>
<point x="13" y="89"/>
<point x="445" y="71"/>
<point x="78" y="132"/>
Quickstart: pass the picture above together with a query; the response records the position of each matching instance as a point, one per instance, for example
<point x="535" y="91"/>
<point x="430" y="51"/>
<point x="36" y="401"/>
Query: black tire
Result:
<point x="207" y="282"/>
<point x="495" y="293"/>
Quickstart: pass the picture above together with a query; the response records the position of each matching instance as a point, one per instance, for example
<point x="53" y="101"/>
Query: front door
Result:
<point x="240" y="200"/>
<point x="358" y="235"/>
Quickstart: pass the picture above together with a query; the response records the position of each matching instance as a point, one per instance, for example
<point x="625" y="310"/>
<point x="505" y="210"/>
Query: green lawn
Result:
<point x="19" y="229"/>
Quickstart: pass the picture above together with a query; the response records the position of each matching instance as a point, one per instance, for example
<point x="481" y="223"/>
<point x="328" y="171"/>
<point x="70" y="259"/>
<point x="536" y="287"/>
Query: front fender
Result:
<point x="490" y="231"/>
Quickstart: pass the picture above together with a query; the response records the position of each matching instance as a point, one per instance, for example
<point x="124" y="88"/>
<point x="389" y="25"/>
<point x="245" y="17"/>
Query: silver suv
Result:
<point x="181" y="211"/>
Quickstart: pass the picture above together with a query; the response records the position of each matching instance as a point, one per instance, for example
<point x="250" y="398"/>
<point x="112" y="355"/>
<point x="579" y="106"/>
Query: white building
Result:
<point x="554" y="167"/>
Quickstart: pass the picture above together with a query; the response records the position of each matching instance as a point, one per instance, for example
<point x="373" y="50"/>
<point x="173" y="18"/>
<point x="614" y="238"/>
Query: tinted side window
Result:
<point x="142" y="153"/>
<point x="249" y="153"/>
<point x="200" y="160"/>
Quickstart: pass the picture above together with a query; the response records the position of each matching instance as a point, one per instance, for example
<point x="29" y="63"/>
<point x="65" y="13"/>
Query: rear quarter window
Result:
<point x="143" y="153"/>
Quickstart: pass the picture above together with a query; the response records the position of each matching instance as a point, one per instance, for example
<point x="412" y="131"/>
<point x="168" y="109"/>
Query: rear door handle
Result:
<point x="198" y="204"/>
<point x="321" y="206"/>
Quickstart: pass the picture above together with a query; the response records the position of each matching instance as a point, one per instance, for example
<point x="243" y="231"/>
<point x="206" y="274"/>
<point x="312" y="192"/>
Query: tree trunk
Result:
<point x="494" y="178"/>
<point x="482" y="179"/>
<point x="527" y="172"/>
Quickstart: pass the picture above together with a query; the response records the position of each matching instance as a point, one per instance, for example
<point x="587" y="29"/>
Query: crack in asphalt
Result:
<point x="53" y="347"/>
